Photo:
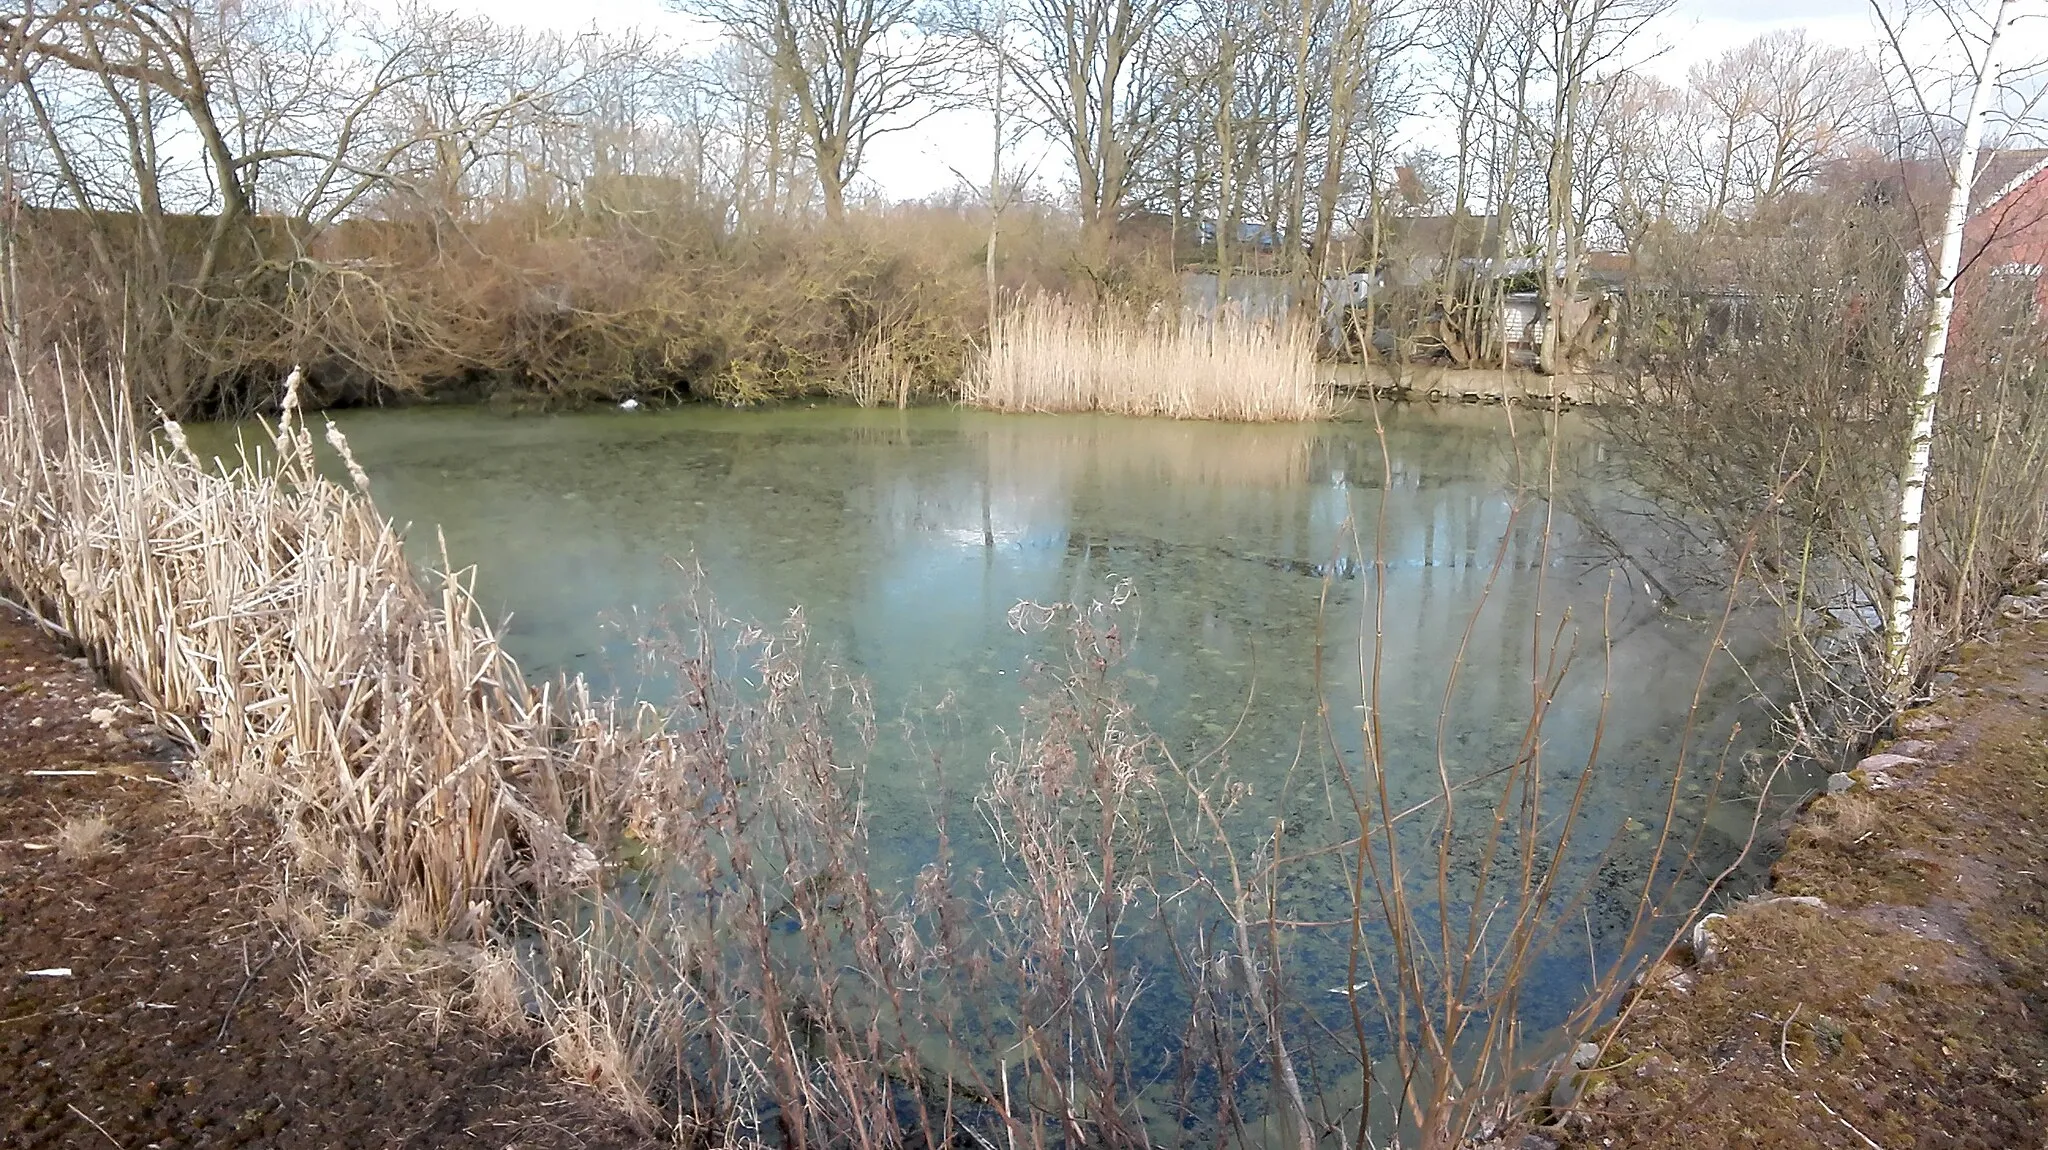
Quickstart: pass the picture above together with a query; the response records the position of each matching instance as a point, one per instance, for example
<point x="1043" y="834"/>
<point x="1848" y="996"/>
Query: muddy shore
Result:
<point x="152" y="995"/>
<point x="1891" y="989"/>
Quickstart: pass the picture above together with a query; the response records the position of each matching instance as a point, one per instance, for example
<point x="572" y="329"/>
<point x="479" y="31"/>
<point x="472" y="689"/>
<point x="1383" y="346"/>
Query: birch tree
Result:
<point x="1982" y="71"/>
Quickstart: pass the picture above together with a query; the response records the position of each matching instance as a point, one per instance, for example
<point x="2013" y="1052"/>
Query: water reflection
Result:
<point x="1281" y="572"/>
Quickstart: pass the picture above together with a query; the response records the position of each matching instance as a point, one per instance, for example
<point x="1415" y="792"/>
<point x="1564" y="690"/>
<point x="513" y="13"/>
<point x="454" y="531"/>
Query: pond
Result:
<point x="1433" y="568"/>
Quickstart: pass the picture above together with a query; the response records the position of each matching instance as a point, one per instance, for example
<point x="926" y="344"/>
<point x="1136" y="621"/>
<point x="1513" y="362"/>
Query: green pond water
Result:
<point x="907" y="537"/>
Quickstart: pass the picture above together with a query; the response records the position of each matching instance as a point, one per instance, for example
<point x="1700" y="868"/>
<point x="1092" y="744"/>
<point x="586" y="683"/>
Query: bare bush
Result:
<point x="84" y="837"/>
<point x="1767" y="379"/>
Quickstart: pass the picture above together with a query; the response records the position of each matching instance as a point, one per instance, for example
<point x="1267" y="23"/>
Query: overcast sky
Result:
<point x="920" y="162"/>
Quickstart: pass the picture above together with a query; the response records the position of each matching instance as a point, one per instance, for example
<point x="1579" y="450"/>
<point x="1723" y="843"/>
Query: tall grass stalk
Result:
<point x="1047" y="354"/>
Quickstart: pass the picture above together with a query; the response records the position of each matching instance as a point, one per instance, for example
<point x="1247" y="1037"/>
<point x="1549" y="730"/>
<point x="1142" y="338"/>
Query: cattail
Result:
<point x="348" y="459"/>
<point x="176" y="434"/>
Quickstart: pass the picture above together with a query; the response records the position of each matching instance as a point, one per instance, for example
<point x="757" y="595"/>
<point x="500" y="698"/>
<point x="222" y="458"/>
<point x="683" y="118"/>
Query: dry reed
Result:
<point x="879" y="373"/>
<point x="273" y="616"/>
<point x="276" y="614"/>
<point x="1048" y="354"/>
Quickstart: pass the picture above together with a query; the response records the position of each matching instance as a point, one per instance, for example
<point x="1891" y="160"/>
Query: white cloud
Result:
<point x="556" y="16"/>
<point x="1699" y="30"/>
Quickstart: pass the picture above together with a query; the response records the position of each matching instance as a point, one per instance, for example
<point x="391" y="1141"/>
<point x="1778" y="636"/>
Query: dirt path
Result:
<point x="181" y="1022"/>
<point x="1899" y="997"/>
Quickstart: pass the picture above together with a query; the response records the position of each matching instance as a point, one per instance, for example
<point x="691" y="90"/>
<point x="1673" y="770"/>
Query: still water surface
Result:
<point x="907" y="537"/>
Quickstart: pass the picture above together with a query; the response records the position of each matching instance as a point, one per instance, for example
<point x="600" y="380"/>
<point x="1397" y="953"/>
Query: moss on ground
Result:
<point x="1911" y="1010"/>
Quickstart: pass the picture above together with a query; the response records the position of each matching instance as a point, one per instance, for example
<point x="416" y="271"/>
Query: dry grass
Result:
<point x="84" y="837"/>
<point x="1051" y="355"/>
<point x="1848" y="817"/>
<point x="591" y="1050"/>
<point x="494" y="1000"/>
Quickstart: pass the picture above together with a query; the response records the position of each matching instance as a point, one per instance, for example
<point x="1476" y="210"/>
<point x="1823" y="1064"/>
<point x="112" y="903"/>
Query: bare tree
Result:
<point x="1091" y="68"/>
<point x="1577" y="39"/>
<point x="1816" y="101"/>
<point x="854" y="69"/>
<point x="294" y="134"/>
<point x="1725" y="94"/>
<point x="749" y="112"/>
<point x="985" y="28"/>
<point x="1772" y="110"/>
<point x="1636" y="182"/>
<point x="1486" y="65"/>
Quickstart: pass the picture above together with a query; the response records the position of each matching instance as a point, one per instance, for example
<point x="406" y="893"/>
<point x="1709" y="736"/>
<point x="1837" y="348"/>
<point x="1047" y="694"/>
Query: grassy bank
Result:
<point x="1889" y="989"/>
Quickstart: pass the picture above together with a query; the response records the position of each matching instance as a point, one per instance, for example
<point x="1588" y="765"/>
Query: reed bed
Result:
<point x="275" y="615"/>
<point x="1048" y="354"/>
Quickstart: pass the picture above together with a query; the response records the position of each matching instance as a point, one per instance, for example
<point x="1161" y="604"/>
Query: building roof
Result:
<point x="2018" y="175"/>
<point x="1923" y="184"/>
<point x="2001" y="173"/>
<point x="1475" y="235"/>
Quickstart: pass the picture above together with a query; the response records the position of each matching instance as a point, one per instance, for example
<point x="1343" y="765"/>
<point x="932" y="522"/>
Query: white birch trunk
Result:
<point x="1913" y="485"/>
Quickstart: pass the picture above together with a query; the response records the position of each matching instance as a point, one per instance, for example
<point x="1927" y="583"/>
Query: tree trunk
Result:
<point x="1934" y="354"/>
<point x="833" y="191"/>
<point x="997" y="201"/>
<point x="1557" y="245"/>
<point x="1226" y="168"/>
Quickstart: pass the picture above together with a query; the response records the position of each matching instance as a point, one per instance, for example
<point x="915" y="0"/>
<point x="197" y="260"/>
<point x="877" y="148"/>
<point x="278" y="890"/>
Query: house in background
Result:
<point x="2005" y="240"/>
<point x="1425" y="249"/>
<point x="2005" y="246"/>
<point x="1428" y="287"/>
<point x="1256" y="297"/>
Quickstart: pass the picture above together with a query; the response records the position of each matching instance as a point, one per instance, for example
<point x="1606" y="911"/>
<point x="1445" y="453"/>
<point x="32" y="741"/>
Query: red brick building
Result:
<point x="2005" y="243"/>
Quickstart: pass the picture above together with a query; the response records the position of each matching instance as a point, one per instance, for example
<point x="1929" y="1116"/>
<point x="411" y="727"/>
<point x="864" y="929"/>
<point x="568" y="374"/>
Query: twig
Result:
<point x="1009" y="1123"/>
<point x="94" y="1125"/>
<point x="1867" y="1139"/>
<point x="1784" y="1032"/>
<point x="1592" y="953"/>
<point x="38" y="619"/>
<point x="246" y="982"/>
<point x="971" y="1132"/>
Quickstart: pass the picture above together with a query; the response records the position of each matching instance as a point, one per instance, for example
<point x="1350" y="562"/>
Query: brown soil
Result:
<point x="182" y="1022"/>
<point x="1911" y="1009"/>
